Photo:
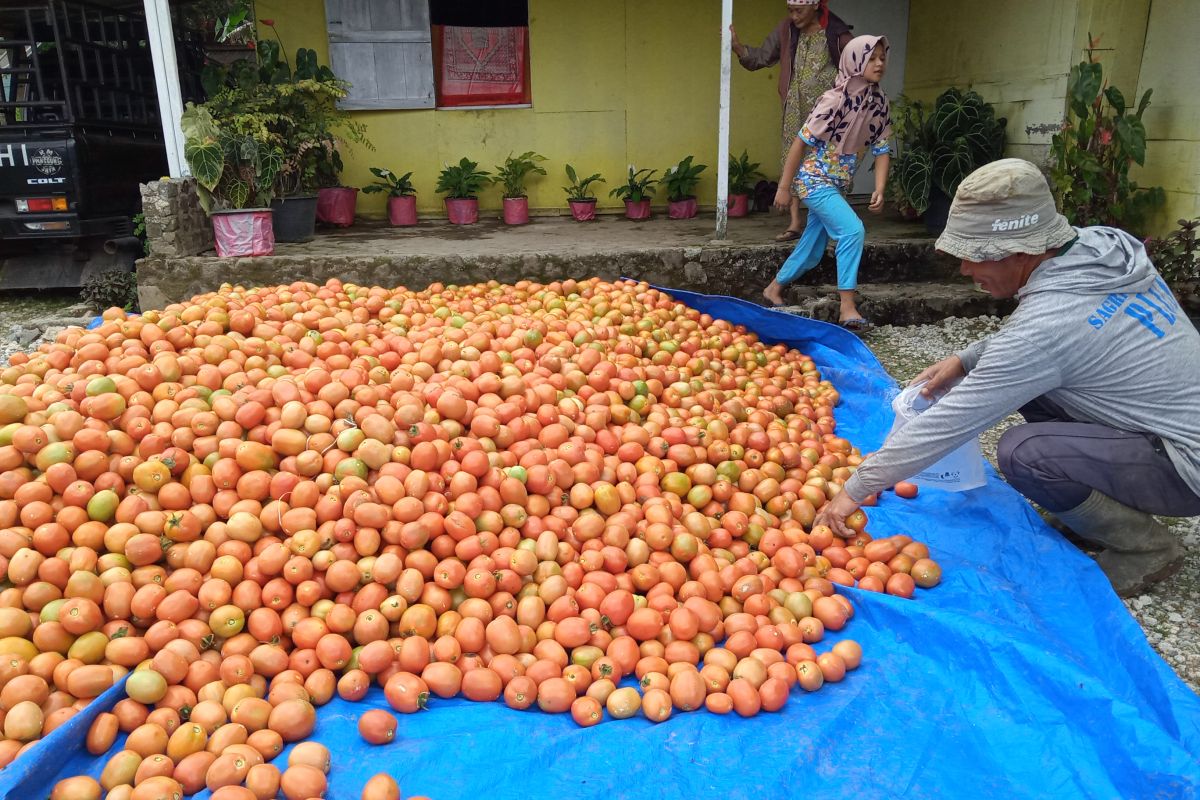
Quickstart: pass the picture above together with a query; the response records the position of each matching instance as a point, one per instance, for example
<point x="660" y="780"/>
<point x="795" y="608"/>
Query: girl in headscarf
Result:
<point x="807" y="46"/>
<point x="851" y="117"/>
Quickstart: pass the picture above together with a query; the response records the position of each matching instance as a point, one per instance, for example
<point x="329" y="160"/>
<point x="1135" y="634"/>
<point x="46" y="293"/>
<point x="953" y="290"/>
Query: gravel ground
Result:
<point x="1170" y="614"/>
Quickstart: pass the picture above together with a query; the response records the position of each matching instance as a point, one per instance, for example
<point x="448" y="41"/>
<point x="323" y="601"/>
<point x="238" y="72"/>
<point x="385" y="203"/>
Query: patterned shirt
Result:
<point x="824" y="166"/>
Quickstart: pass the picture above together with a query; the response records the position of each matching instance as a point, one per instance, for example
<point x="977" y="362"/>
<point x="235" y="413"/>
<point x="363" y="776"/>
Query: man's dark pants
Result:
<point x="1057" y="462"/>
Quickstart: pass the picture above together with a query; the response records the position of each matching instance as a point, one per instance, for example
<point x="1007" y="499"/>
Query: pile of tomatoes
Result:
<point x="521" y="493"/>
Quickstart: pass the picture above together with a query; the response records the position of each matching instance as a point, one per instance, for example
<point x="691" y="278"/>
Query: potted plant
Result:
<point x="579" y="195"/>
<point x="938" y="148"/>
<point x="636" y="192"/>
<point x="681" y="181"/>
<point x="461" y="183"/>
<point x="402" y="197"/>
<point x="298" y="107"/>
<point x="235" y="164"/>
<point x="336" y="202"/>
<point x="314" y="127"/>
<point x="513" y="173"/>
<point x="743" y="174"/>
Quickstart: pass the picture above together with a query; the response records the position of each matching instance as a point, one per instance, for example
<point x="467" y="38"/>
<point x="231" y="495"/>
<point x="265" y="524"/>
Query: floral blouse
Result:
<point x="824" y="166"/>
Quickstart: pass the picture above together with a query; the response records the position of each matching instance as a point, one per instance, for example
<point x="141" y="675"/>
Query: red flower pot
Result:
<point x="516" y="210"/>
<point x="637" y="209"/>
<point x="739" y="205"/>
<point x="335" y="205"/>
<point x="402" y="210"/>
<point x="681" y="209"/>
<point x="462" y="210"/>
<point x="243" y="232"/>
<point x="583" y="210"/>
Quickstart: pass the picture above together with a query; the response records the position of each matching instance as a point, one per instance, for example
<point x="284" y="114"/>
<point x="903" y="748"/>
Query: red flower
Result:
<point x="270" y="23"/>
<point x="1105" y="136"/>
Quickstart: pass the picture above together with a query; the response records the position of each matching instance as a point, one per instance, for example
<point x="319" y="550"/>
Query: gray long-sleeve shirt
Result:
<point x="1098" y="331"/>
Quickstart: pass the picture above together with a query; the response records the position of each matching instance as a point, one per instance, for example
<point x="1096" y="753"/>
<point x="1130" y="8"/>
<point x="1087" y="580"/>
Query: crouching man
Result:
<point x="1099" y="360"/>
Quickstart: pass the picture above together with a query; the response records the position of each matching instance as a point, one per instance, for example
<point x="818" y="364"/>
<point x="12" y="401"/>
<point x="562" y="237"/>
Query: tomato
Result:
<point x="586" y="711"/>
<point x="926" y="573"/>
<point x="745" y="697"/>
<point x="377" y="726"/>
<point x="832" y="667"/>
<point x="555" y="695"/>
<point x="810" y="676"/>
<point x="623" y="703"/>
<point x="773" y="694"/>
<point x="850" y="652"/>
<point x="267" y="496"/>
<point x="656" y="705"/>
<point x="520" y="693"/>
<point x="381" y="786"/>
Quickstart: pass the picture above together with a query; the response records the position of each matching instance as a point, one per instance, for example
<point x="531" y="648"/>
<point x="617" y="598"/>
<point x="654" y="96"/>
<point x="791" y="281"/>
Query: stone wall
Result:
<point x="176" y="225"/>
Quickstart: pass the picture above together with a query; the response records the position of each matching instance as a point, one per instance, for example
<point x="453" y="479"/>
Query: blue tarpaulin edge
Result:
<point x="1022" y="674"/>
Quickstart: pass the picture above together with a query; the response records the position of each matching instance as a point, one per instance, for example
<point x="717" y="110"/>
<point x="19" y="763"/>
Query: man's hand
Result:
<point x="876" y="202"/>
<point x="783" y="198"/>
<point x="736" y="43"/>
<point x="834" y="515"/>
<point x="936" y="376"/>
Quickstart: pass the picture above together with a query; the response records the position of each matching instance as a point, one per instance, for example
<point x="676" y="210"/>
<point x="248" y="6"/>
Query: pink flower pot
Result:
<point x="639" y="209"/>
<point x="402" y="210"/>
<point x="739" y="205"/>
<point x="516" y="210"/>
<point x="583" y="210"/>
<point x="681" y="209"/>
<point x="335" y="205"/>
<point x="462" y="210"/>
<point x="243" y="232"/>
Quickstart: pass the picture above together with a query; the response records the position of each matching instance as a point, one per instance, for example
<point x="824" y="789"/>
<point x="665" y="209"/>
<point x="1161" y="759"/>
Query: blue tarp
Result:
<point x="1020" y="676"/>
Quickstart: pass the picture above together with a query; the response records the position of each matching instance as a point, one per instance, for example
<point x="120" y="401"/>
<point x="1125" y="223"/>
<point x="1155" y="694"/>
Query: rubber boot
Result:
<point x="1138" y="549"/>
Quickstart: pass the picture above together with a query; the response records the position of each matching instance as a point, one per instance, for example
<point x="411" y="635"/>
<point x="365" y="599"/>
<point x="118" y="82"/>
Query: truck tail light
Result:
<point x="40" y="205"/>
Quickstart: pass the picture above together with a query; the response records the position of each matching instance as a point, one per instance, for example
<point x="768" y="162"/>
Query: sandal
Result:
<point x="788" y="236"/>
<point x="857" y="325"/>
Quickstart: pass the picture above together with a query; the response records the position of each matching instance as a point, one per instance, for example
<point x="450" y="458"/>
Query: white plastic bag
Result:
<point x="958" y="471"/>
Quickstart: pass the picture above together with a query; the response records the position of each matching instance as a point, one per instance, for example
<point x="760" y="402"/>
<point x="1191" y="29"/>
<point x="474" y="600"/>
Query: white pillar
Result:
<point x="166" y="78"/>
<point x="723" y="120"/>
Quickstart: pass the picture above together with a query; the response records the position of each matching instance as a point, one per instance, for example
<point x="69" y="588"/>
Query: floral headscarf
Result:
<point x="855" y="113"/>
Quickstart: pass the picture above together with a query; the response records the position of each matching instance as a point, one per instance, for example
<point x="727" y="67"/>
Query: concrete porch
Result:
<point x="902" y="279"/>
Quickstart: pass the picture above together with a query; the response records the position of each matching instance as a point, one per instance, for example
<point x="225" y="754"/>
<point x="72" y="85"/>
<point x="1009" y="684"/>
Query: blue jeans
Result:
<point x="829" y="217"/>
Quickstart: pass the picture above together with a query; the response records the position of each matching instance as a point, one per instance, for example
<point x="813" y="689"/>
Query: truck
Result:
<point x="79" y="131"/>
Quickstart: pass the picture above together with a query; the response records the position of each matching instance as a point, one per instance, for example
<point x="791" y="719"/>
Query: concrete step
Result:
<point x="898" y="303"/>
<point x="676" y="253"/>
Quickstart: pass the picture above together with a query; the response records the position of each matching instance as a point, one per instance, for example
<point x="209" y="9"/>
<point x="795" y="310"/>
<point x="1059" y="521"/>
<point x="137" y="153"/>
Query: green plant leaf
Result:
<point x="1084" y="86"/>
<point x="914" y="174"/>
<point x="955" y="113"/>
<point x="1132" y="135"/>
<point x="238" y="192"/>
<point x="952" y="161"/>
<point x="306" y="64"/>
<point x="1143" y="103"/>
<point x="206" y="159"/>
<point x="1115" y="99"/>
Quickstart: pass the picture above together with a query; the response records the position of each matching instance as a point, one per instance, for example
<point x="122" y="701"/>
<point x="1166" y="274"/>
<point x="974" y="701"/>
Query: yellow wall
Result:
<point x="614" y="84"/>
<point x="1171" y="66"/>
<point x="1018" y="55"/>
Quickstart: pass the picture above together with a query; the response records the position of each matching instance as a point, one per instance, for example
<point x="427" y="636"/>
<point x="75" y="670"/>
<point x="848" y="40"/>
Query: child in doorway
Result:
<point x="847" y="119"/>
